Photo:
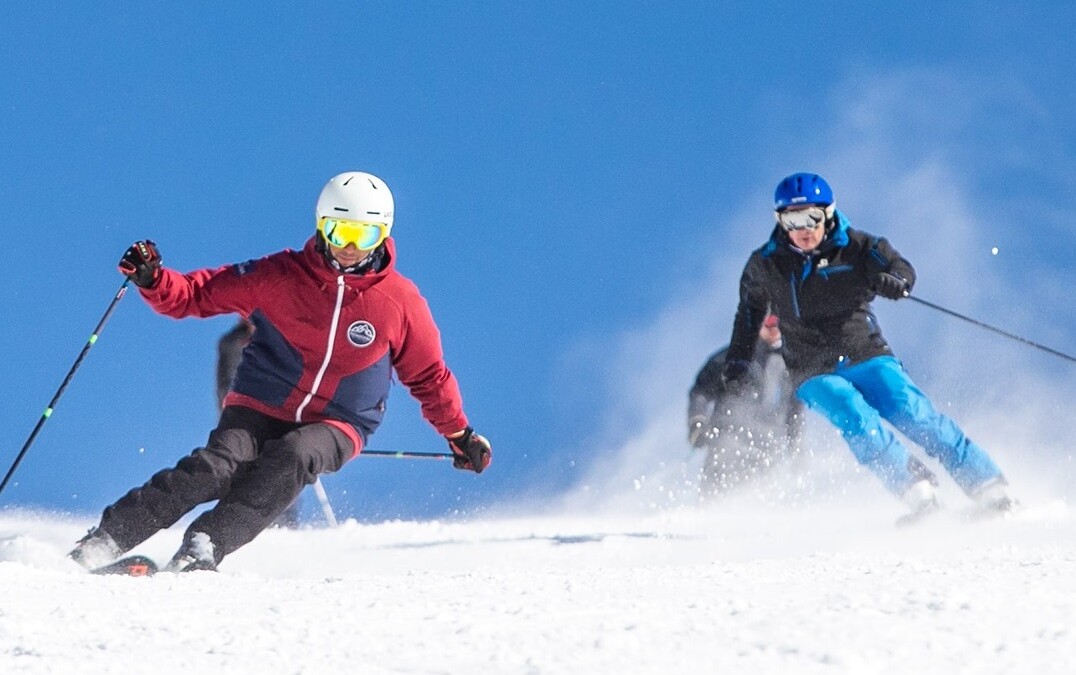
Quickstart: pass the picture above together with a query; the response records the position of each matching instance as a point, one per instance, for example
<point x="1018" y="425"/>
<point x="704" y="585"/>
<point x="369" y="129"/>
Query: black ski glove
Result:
<point x="735" y="377"/>
<point x="470" y="451"/>
<point x="141" y="263"/>
<point x="890" y="285"/>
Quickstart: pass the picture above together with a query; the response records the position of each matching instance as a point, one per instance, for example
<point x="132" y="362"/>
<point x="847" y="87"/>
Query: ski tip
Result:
<point x="131" y="566"/>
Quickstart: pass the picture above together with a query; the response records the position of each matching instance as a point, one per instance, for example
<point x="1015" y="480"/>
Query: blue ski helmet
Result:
<point x="802" y="188"/>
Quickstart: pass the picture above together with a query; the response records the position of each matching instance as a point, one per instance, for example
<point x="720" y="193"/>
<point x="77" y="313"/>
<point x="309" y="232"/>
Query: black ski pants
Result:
<point x="253" y="464"/>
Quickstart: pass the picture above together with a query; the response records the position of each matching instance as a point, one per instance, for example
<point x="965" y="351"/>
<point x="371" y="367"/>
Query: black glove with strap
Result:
<point x="890" y="286"/>
<point x="470" y="451"/>
<point x="141" y="263"/>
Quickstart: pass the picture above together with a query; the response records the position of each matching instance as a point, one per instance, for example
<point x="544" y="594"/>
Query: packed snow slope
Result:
<point x="742" y="586"/>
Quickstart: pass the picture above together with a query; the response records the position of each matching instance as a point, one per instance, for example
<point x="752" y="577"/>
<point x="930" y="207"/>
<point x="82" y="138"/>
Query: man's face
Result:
<point x="770" y="335"/>
<point x="348" y="256"/>
<point x="805" y="225"/>
<point x="807" y="240"/>
<point x="351" y="241"/>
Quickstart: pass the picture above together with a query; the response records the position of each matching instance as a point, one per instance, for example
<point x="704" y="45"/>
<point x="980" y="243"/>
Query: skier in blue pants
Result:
<point x="857" y="398"/>
<point x="819" y="276"/>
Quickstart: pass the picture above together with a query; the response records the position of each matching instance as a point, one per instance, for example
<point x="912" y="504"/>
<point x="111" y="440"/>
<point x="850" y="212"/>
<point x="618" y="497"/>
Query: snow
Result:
<point x="742" y="586"/>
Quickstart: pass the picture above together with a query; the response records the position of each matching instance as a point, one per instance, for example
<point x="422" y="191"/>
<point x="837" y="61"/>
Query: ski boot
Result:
<point x="992" y="497"/>
<point x="196" y="554"/>
<point x="921" y="502"/>
<point x="96" y="549"/>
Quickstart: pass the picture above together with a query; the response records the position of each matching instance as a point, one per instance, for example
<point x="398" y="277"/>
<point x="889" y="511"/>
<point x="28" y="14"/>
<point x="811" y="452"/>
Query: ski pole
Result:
<point x="59" y="392"/>
<point x="992" y="328"/>
<point x="326" y="507"/>
<point x="399" y="454"/>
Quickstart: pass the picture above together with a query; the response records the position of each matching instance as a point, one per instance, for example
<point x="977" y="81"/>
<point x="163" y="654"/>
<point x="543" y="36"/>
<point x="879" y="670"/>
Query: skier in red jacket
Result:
<point x="332" y="322"/>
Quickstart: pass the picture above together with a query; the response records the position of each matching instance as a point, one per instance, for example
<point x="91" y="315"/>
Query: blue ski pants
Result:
<point x="858" y="397"/>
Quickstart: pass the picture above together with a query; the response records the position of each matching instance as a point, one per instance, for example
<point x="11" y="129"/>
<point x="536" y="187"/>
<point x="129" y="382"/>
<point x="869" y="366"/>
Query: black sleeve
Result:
<point x="882" y="257"/>
<point x="229" y="352"/>
<point x="708" y="386"/>
<point x="750" y="312"/>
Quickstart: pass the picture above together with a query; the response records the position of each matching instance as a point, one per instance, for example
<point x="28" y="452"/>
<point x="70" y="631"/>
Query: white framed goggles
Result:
<point x="802" y="219"/>
<point x="364" y="235"/>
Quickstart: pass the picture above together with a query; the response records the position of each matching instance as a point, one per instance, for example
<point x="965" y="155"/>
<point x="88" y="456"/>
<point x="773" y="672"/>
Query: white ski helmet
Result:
<point x="356" y="195"/>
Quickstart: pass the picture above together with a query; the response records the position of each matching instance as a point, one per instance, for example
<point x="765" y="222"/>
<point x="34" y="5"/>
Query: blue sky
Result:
<point x="577" y="187"/>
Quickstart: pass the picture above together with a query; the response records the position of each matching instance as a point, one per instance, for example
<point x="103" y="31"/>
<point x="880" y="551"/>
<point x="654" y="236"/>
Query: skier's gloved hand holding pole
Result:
<point x="141" y="263"/>
<point x="889" y="285"/>
<point x="470" y="451"/>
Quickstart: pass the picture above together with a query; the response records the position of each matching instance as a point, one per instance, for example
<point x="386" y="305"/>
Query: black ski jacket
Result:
<point x="822" y="299"/>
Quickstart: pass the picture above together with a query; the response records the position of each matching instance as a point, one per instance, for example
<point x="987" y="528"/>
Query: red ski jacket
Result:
<point x="325" y="343"/>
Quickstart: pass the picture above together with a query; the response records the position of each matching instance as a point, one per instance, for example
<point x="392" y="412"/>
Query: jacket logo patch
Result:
<point x="361" y="333"/>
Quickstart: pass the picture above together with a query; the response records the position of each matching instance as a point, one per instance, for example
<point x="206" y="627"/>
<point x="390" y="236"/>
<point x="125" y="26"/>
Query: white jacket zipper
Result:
<point x="328" y="349"/>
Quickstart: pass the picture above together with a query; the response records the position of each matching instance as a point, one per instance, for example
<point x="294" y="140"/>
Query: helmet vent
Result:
<point x="340" y="208"/>
<point x="348" y="180"/>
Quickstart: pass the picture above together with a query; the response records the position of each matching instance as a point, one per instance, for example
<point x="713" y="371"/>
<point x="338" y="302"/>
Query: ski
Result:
<point x="132" y="566"/>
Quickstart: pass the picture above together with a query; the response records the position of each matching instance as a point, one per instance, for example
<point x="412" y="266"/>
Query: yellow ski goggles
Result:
<point x="364" y="235"/>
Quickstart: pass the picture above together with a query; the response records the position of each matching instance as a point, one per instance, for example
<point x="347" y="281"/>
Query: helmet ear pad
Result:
<point x="322" y="247"/>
